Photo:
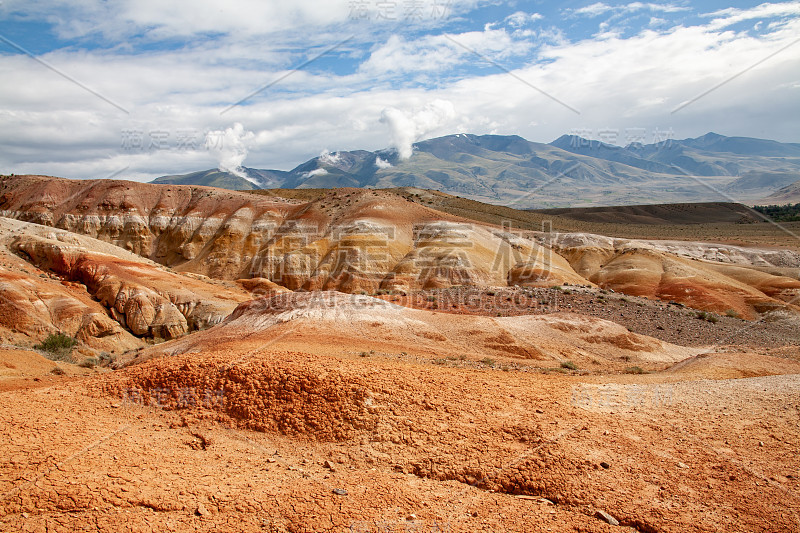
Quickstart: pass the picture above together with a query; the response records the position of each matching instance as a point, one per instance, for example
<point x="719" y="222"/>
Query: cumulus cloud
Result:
<point x="230" y="146"/>
<point x="331" y="158"/>
<point x="381" y="163"/>
<point x="627" y="80"/>
<point x="406" y="127"/>
<point x="520" y="18"/>
<point x="315" y="172"/>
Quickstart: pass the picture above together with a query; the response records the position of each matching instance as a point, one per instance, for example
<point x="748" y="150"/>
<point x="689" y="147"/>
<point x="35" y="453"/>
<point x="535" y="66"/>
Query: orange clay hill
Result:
<point x="186" y="358"/>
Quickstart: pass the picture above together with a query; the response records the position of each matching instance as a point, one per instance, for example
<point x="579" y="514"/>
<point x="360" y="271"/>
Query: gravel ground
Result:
<point x="672" y="323"/>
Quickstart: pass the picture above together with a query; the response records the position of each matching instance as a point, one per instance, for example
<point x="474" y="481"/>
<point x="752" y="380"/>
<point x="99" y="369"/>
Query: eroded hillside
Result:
<point x="355" y="240"/>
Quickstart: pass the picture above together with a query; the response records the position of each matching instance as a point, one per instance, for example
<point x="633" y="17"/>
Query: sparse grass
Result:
<point x="569" y="365"/>
<point x="635" y="370"/>
<point x="731" y="313"/>
<point x="58" y="346"/>
<point x="89" y="362"/>
<point x="708" y="317"/>
<point x="488" y="361"/>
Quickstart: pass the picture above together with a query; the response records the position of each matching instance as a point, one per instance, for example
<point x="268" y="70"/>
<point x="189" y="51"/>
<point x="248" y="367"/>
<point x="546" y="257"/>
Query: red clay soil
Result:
<point x="248" y="437"/>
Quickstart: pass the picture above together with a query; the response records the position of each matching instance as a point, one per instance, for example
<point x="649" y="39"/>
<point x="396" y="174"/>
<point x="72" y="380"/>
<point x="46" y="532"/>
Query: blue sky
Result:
<point x="141" y="89"/>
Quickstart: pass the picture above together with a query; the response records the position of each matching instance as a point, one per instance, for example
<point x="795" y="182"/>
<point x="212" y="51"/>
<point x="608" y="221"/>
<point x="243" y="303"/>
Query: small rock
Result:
<point x="605" y="517"/>
<point x="201" y="510"/>
<point x="411" y="517"/>
<point x="761" y="444"/>
<point x="340" y="492"/>
<point x="539" y="411"/>
<point x="526" y="497"/>
<point x="605" y="465"/>
<point x="329" y="466"/>
<point x="25" y="515"/>
<point x="270" y="460"/>
<point x="682" y="465"/>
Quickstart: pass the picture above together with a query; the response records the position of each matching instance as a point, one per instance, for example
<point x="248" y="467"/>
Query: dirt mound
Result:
<point x="733" y="365"/>
<point x="640" y="270"/>
<point x="275" y="395"/>
<point x="348" y="325"/>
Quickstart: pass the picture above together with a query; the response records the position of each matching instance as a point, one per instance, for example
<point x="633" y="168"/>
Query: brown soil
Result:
<point x="432" y="447"/>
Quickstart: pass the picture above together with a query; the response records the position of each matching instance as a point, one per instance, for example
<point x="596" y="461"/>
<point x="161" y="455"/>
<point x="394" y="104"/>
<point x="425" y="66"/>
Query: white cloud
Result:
<point x="436" y="53"/>
<point x="330" y="158"/>
<point x="521" y="18"/>
<point x="315" y="172"/>
<point x="406" y="127"/>
<point x="593" y="10"/>
<point x="230" y="147"/>
<point x="727" y="17"/>
<point x="600" y="8"/>
<point x="380" y="163"/>
<point x="53" y="126"/>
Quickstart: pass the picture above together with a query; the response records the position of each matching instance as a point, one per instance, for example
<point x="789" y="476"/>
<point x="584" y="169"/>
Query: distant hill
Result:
<point x="786" y="195"/>
<point x="664" y="214"/>
<point x="570" y="171"/>
<point x="256" y="179"/>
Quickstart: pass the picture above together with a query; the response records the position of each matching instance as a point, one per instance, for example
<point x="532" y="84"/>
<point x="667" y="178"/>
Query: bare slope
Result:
<point x="356" y="240"/>
<point x="57" y="281"/>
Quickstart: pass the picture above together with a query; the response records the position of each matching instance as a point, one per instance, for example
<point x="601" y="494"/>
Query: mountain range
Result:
<point x="570" y="171"/>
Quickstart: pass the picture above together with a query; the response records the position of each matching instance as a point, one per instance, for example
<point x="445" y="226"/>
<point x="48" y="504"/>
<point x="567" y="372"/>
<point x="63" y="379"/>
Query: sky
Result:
<point x="140" y="89"/>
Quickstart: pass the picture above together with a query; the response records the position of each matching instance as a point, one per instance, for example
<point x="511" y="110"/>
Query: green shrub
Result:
<point x="58" y="346"/>
<point x="731" y="313"/>
<point x="487" y="361"/>
<point x="634" y="370"/>
<point x="569" y="365"/>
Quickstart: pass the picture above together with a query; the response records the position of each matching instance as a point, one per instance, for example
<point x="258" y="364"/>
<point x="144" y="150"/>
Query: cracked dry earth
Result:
<point x="396" y="445"/>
